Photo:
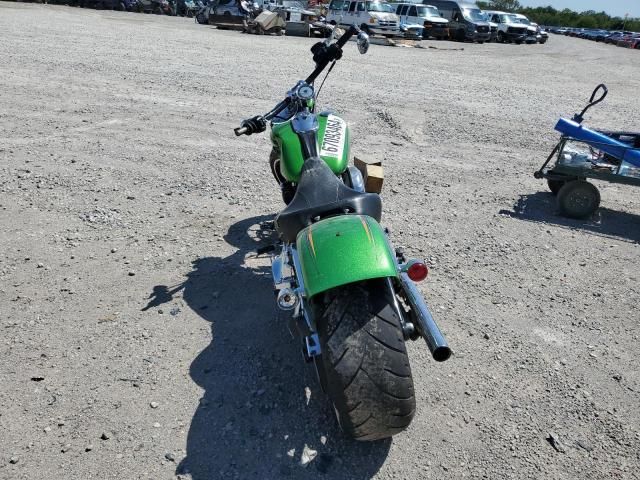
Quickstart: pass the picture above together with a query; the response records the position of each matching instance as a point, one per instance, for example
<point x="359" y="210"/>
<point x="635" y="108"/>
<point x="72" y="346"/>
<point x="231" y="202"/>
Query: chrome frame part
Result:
<point x="305" y="122"/>
<point x="424" y="322"/>
<point x="291" y="297"/>
<point x="281" y="270"/>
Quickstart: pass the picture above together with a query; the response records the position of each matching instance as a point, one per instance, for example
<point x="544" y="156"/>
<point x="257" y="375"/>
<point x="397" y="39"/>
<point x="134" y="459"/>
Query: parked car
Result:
<point x="493" y="28"/>
<point x="594" y="34"/>
<point x="164" y="7"/>
<point x="144" y="6"/>
<point x="535" y="33"/>
<point x="269" y="4"/>
<point x="609" y="35"/>
<point x="615" y="36"/>
<point x="542" y="35"/>
<point x="581" y="33"/>
<point x="97" y="4"/>
<point x="426" y="15"/>
<point x="629" y="41"/>
<point x="202" y="13"/>
<point x="466" y="21"/>
<point x="225" y="7"/>
<point x="372" y="17"/>
<point x="602" y="35"/>
<point x="510" y="29"/>
<point x="532" y="31"/>
<point x="186" y="8"/>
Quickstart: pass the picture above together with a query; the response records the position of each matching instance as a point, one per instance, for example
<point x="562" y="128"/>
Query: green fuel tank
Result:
<point x="333" y="140"/>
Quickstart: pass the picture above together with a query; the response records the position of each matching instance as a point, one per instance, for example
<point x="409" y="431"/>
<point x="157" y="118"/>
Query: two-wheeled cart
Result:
<point x="583" y="154"/>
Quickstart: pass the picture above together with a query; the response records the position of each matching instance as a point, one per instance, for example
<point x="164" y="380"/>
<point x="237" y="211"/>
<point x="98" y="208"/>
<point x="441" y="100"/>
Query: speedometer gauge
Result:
<point x="305" y="92"/>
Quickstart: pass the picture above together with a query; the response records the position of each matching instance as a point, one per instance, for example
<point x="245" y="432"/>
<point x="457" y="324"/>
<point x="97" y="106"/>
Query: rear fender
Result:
<point x="342" y="250"/>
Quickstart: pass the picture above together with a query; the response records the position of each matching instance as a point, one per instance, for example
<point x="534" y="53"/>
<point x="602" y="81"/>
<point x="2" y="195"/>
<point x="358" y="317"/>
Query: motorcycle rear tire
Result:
<point x="364" y="365"/>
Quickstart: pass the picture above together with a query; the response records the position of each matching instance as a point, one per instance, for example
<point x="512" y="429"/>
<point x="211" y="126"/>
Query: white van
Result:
<point x="372" y="17"/>
<point x="465" y="20"/>
<point x="510" y="29"/>
<point x="426" y="15"/>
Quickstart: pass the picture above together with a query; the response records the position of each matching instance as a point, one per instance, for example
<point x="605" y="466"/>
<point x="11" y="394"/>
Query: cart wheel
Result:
<point x="555" y="185"/>
<point x="578" y="199"/>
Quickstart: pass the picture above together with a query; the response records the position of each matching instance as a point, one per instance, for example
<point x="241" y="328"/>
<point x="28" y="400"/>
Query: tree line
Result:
<point x="564" y="18"/>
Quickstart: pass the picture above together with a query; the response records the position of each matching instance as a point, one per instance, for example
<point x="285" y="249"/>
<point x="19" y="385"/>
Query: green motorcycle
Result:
<point x="351" y="295"/>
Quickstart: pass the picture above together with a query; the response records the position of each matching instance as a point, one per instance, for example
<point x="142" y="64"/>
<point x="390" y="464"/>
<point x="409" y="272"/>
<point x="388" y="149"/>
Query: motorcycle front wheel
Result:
<point x="364" y="365"/>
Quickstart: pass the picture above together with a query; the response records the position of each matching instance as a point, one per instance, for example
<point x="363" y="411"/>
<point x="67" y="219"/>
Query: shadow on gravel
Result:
<point x="540" y="207"/>
<point x="254" y="419"/>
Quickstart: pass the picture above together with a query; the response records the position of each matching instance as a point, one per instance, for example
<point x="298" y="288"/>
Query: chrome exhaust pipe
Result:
<point x="424" y="322"/>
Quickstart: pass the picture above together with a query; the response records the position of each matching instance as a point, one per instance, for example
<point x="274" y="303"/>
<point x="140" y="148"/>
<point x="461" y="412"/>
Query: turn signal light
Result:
<point x="418" y="271"/>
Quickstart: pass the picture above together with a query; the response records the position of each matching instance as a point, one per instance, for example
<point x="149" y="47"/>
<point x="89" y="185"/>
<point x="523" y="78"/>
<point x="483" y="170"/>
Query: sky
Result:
<point x="616" y="8"/>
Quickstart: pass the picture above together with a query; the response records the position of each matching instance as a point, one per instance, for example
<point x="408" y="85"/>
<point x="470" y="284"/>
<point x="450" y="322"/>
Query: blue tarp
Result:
<point x="600" y="141"/>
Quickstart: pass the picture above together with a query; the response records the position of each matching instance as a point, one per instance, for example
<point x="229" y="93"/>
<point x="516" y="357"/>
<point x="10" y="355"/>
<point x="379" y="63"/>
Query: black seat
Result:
<point x="320" y="194"/>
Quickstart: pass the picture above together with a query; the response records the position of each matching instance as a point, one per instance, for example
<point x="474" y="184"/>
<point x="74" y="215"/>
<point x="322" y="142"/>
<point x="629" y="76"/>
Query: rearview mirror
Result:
<point x="363" y="42"/>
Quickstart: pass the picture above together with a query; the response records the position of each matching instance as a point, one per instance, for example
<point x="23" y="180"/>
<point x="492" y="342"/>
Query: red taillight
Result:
<point x="418" y="271"/>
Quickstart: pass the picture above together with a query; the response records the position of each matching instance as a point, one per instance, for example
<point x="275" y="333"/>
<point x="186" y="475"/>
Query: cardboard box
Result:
<point x="268" y="20"/>
<point x="372" y="173"/>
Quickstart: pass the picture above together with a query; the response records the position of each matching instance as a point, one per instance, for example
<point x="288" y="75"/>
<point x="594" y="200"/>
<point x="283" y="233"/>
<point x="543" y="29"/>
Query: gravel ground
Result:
<point x="122" y="187"/>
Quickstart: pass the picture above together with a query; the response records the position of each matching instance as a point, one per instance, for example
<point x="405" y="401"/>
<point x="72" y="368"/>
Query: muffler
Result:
<point x="424" y="322"/>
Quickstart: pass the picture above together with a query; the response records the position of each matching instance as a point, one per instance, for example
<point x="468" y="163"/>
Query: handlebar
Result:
<point x="258" y="124"/>
<point x="250" y="126"/>
<point x="603" y="87"/>
<point x="323" y="55"/>
<point x="579" y="117"/>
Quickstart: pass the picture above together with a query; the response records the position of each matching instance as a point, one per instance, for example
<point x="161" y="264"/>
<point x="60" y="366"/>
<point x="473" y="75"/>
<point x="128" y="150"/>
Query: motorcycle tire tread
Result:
<point x="364" y="359"/>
